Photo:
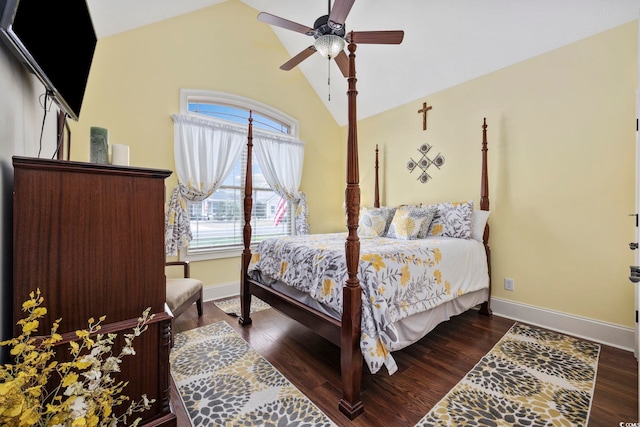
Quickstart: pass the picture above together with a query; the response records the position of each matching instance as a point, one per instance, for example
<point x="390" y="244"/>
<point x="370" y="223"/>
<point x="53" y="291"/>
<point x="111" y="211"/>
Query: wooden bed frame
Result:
<point x="344" y="333"/>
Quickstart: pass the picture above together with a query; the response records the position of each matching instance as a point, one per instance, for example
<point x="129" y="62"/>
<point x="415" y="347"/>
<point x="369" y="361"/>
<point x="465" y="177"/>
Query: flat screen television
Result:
<point x="56" y="40"/>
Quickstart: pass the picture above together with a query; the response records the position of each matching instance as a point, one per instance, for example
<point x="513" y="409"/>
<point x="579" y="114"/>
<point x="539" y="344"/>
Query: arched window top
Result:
<point x="235" y="108"/>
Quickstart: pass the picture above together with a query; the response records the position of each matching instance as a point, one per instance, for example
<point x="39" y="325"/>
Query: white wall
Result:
<point x="20" y="128"/>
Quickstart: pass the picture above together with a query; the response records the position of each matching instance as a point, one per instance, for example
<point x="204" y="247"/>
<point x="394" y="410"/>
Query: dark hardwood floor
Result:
<point x="427" y="370"/>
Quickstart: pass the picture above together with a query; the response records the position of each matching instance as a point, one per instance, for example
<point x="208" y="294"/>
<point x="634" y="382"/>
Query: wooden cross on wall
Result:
<point x="424" y="111"/>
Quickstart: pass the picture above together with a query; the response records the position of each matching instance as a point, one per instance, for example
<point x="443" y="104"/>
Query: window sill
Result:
<point x="210" y="254"/>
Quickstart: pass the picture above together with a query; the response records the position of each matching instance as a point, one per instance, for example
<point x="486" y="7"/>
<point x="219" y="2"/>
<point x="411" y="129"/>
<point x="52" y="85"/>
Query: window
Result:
<point x="217" y="222"/>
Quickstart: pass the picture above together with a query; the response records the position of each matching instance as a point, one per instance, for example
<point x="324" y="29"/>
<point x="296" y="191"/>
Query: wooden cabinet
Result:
<point x="91" y="238"/>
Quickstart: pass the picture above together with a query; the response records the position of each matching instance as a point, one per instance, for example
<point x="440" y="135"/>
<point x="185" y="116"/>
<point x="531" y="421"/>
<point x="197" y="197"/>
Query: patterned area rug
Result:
<point x="531" y="377"/>
<point x="223" y="382"/>
<point x="231" y="306"/>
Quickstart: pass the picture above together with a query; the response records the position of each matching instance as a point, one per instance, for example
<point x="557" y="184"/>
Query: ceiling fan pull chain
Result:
<point x="329" y="77"/>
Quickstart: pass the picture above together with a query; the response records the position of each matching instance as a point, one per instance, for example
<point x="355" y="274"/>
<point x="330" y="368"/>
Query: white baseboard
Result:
<point x="582" y="327"/>
<point x="225" y="290"/>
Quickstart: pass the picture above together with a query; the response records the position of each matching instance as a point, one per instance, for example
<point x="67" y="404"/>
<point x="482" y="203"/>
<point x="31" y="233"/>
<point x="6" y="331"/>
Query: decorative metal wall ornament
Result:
<point x="425" y="162"/>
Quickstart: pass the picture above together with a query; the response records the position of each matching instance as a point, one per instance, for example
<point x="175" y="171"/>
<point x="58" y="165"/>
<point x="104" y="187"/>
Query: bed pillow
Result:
<point x="375" y="222"/>
<point x="424" y="229"/>
<point x="408" y="221"/>
<point x="478" y="222"/>
<point x="452" y="219"/>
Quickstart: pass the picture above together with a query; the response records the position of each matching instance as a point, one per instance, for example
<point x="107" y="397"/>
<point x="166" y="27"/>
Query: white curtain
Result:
<point x="281" y="159"/>
<point x="205" y="153"/>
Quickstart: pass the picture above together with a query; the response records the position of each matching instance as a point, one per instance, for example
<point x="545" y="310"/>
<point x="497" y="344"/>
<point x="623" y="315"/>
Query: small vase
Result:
<point x="99" y="145"/>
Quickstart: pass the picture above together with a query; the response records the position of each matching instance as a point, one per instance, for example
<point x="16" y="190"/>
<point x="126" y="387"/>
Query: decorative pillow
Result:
<point x="389" y="214"/>
<point x="375" y="222"/>
<point x="479" y="220"/>
<point x="408" y="221"/>
<point x="452" y="220"/>
<point x="424" y="229"/>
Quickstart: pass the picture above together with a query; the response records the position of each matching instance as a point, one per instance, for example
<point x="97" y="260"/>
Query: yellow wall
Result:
<point x="134" y="88"/>
<point x="562" y="172"/>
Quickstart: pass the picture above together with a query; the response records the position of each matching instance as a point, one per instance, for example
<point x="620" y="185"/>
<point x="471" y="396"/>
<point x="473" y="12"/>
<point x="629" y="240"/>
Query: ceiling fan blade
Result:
<point x="284" y="23"/>
<point x="343" y="63"/>
<point x="340" y="10"/>
<point x="298" y="58"/>
<point x="376" y="37"/>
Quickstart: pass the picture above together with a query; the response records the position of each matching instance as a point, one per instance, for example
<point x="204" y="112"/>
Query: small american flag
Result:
<point x="281" y="209"/>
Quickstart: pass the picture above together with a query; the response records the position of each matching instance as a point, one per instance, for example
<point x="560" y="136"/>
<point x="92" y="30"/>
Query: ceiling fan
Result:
<point x="330" y="35"/>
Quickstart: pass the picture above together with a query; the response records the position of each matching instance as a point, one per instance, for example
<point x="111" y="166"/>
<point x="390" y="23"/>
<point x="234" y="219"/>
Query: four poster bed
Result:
<point x="328" y="297"/>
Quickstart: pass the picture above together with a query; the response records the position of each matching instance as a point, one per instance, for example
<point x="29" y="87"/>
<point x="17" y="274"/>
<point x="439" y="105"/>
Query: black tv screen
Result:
<point x="55" y="39"/>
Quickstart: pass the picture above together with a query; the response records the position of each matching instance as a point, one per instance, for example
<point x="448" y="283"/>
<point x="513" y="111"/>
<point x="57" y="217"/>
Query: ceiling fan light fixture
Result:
<point x="329" y="45"/>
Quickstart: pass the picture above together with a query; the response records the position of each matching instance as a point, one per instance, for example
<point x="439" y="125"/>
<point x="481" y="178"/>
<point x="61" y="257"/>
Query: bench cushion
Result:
<point x="180" y="290"/>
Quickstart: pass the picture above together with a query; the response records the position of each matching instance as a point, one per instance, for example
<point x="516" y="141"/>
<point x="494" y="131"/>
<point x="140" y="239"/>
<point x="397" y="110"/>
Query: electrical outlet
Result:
<point x="508" y="284"/>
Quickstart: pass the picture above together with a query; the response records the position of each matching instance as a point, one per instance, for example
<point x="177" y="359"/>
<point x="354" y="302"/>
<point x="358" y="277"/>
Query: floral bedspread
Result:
<point x="398" y="278"/>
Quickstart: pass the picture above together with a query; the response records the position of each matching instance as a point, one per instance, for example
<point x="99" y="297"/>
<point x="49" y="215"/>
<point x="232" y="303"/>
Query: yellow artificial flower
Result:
<point x="52" y="339"/>
<point x="34" y="391"/>
<point x="29" y="417"/>
<point x="79" y="422"/>
<point x="11" y="400"/>
<point x="18" y="349"/>
<point x="106" y="408"/>
<point x="82" y="364"/>
<point x="29" y="304"/>
<point x="52" y="409"/>
<point x="93" y="419"/>
<point x="23" y="400"/>
<point x="39" y="311"/>
<point x="82" y="334"/>
<point x="30" y="326"/>
<point x="71" y="378"/>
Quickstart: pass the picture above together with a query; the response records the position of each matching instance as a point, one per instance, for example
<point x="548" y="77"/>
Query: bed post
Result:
<point x="484" y="205"/>
<point x="350" y="354"/>
<point x="376" y="190"/>
<point x="245" y="295"/>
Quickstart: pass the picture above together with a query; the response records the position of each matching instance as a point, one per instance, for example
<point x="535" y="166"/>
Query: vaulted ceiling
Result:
<point x="446" y="42"/>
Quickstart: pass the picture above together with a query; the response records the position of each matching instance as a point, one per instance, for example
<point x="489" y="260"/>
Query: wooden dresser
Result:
<point x="91" y="237"/>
